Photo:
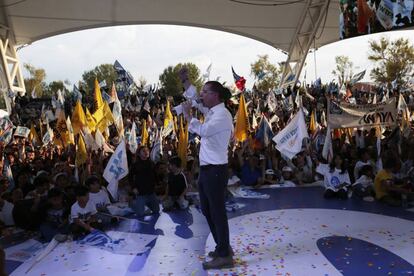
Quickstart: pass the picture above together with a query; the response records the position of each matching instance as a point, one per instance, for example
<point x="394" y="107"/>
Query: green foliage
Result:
<point x="393" y="60"/>
<point x="343" y="70"/>
<point x="36" y="80"/>
<point x="170" y="82"/>
<point x="53" y="87"/>
<point x="267" y="75"/>
<point x="101" y="72"/>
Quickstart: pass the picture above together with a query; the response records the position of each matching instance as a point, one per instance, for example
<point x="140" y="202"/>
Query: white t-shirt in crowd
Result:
<point x="77" y="212"/>
<point x="332" y="180"/>
<point x="359" y="165"/>
<point x="99" y="199"/>
<point x="365" y="181"/>
<point x="6" y="213"/>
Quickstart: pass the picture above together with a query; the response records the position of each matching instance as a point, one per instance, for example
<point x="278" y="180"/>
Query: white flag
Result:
<point x="89" y="140"/>
<point x="385" y="14"/>
<point x="132" y="139"/>
<point x="99" y="139"/>
<point x="116" y="169"/>
<point x="156" y="150"/>
<point x="298" y="100"/>
<point x="289" y="140"/>
<point x="374" y="99"/>
<point x="34" y="96"/>
<point x="60" y="98"/>
<point x="102" y="84"/>
<point x="48" y="137"/>
<point x="271" y="101"/>
<point x="327" y="151"/>
<point x="117" y="113"/>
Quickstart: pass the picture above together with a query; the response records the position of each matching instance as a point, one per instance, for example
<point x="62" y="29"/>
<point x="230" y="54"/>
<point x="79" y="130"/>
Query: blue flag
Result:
<point x="264" y="134"/>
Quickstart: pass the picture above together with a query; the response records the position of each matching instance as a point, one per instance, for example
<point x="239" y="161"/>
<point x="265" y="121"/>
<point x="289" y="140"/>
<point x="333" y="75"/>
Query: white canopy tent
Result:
<point x="292" y="26"/>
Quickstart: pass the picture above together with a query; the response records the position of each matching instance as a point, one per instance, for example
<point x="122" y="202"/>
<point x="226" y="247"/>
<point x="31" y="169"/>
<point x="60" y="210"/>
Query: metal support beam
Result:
<point x="313" y="14"/>
<point x="11" y="66"/>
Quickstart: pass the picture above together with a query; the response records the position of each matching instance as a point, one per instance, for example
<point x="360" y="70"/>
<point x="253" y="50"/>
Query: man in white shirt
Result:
<point x="215" y="133"/>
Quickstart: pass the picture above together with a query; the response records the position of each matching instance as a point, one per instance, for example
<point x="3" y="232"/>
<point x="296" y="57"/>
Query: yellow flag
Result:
<point x="71" y="135"/>
<point x="242" y="122"/>
<point x="168" y="117"/>
<point x="99" y="116"/>
<point x="103" y="117"/>
<point x="61" y="134"/>
<point x="183" y="143"/>
<point x="81" y="155"/>
<point x="312" y="123"/>
<point x="144" y="133"/>
<point x="90" y="121"/>
<point x="405" y="118"/>
<point x="175" y="125"/>
<point x="97" y="96"/>
<point x="108" y="114"/>
<point x="78" y="118"/>
<point x="33" y="137"/>
<point x="99" y="110"/>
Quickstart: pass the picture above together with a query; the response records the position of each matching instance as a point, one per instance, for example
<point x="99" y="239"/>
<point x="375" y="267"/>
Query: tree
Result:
<point x="267" y="75"/>
<point x="36" y="80"/>
<point x="171" y="83"/>
<point x="394" y="60"/>
<point x="53" y="87"/>
<point x="343" y="70"/>
<point x="101" y="72"/>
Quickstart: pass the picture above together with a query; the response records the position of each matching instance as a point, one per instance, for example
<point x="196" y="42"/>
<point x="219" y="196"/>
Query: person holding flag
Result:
<point x="215" y="134"/>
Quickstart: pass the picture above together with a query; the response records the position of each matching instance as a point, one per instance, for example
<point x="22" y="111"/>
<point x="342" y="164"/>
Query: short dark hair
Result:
<point x="175" y="160"/>
<point x="215" y="86"/>
<point x="90" y="180"/>
<point x="81" y="191"/>
<point x="141" y="148"/>
<point x="40" y="181"/>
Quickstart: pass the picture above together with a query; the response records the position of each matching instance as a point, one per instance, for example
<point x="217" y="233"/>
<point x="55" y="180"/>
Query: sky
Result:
<point x="146" y="50"/>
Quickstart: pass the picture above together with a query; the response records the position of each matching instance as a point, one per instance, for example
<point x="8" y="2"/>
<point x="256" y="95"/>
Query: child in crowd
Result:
<point x="287" y="179"/>
<point x="270" y="177"/>
<point x="364" y="185"/>
<point x="335" y="178"/>
<point x="41" y="184"/>
<point x="177" y="186"/>
<point x="54" y="215"/>
<point x="387" y="188"/>
<point x="364" y="160"/>
<point x="97" y="195"/>
<point x="83" y="214"/>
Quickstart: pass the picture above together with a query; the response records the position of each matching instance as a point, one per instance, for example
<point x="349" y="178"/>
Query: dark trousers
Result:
<point x="362" y="191"/>
<point x="341" y="193"/>
<point x="212" y="186"/>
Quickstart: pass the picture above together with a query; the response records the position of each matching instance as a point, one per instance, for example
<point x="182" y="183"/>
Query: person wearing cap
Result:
<point x="270" y="177"/>
<point x="215" y="132"/>
<point x="287" y="177"/>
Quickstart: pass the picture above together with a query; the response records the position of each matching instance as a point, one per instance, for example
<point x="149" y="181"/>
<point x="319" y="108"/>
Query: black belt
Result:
<point x="212" y="165"/>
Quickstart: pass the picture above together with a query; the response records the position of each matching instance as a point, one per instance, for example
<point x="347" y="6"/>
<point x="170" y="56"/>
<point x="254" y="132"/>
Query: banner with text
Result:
<point x="346" y="115"/>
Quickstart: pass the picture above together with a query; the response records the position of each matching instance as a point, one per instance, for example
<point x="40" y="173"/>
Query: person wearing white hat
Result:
<point x="287" y="177"/>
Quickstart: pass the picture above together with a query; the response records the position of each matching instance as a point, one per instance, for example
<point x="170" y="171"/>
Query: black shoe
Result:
<point x="219" y="262"/>
<point x="213" y="254"/>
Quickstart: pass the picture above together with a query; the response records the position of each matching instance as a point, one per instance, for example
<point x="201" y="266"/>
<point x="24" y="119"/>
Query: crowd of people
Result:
<point x="43" y="188"/>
